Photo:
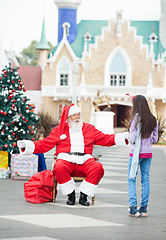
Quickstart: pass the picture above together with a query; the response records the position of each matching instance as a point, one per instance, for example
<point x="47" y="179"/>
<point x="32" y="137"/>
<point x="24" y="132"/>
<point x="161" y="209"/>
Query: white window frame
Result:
<point x="107" y="72"/>
<point x="64" y="80"/>
<point x="117" y="79"/>
<point x="58" y="73"/>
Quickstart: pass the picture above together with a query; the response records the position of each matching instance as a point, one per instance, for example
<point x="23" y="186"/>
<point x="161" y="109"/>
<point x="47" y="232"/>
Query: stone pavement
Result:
<point x="107" y="219"/>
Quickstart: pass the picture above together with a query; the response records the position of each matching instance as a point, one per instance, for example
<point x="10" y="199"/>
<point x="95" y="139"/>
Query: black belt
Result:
<point x="76" y="153"/>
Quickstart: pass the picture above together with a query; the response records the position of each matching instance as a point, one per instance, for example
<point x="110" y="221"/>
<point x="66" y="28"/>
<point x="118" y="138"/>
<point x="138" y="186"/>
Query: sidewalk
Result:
<point x="107" y="219"/>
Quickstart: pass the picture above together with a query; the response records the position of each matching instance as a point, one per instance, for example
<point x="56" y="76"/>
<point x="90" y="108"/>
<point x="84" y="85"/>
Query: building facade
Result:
<point x="115" y="57"/>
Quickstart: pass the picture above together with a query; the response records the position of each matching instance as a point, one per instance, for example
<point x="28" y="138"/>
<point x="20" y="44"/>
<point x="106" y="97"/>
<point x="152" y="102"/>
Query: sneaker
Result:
<point x="133" y="212"/>
<point x="143" y="211"/>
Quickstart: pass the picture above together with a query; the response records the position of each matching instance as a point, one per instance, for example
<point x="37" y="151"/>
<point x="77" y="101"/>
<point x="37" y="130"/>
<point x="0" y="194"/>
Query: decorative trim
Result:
<point x="140" y="38"/>
<point x="63" y="42"/>
<point x="128" y="64"/>
<point x="67" y="187"/>
<point x="153" y="37"/>
<point x="69" y="72"/>
<point x="68" y="3"/>
<point x="88" y="188"/>
<point x="99" y="37"/>
<point x="117" y="94"/>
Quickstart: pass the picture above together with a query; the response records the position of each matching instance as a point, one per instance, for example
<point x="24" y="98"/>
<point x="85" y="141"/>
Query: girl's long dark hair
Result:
<point x="146" y="118"/>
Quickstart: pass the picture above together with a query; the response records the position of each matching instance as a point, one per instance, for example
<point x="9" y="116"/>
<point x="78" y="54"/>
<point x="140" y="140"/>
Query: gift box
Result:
<point x="4" y="171"/>
<point x="23" y="166"/>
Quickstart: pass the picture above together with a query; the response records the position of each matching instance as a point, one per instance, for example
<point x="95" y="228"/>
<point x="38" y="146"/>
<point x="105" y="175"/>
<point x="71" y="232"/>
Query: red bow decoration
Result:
<point x="132" y="97"/>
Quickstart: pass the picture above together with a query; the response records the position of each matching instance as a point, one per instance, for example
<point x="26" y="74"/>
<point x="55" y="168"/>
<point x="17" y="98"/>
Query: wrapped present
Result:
<point x="23" y="166"/>
<point x="4" y="171"/>
<point x="4" y="159"/>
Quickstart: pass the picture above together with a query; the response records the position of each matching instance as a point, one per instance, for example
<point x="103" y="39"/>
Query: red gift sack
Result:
<point x="39" y="188"/>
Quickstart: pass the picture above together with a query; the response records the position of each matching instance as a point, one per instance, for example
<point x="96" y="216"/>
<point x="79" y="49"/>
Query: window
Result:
<point x="117" y="80"/>
<point x="153" y="37"/>
<point x="63" y="72"/>
<point x="66" y="27"/>
<point x="118" y="71"/>
<point x="64" y="79"/>
<point x="60" y="110"/>
<point x="87" y="37"/>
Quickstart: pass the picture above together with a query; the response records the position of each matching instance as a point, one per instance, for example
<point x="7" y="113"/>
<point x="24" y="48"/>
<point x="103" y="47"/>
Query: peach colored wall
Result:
<point x="141" y="67"/>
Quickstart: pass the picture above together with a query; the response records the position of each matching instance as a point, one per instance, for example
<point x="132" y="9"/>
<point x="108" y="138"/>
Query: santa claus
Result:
<point x="74" y="141"/>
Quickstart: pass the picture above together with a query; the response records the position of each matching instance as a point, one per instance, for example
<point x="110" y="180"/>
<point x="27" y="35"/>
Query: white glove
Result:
<point x="126" y="135"/>
<point x="121" y="139"/>
<point x="21" y="144"/>
<point x="26" y="147"/>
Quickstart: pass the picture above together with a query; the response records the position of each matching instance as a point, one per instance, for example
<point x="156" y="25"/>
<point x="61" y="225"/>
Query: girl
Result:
<point x="143" y="133"/>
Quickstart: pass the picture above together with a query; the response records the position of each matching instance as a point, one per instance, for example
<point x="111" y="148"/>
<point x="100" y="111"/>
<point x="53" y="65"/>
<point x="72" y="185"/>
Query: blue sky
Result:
<point x="21" y="20"/>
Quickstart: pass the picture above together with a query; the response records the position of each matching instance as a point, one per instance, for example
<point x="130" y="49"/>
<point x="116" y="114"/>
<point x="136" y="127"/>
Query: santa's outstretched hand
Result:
<point x="121" y="139"/>
<point x="26" y="147"/>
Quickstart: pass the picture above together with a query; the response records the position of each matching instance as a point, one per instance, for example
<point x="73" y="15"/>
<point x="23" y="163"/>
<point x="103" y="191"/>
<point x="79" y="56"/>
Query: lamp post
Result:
<point x="75" y="68"/>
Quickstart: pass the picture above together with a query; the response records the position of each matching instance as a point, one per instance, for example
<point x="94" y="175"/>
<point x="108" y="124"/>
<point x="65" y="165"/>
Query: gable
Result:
<point x="94" y="27"/>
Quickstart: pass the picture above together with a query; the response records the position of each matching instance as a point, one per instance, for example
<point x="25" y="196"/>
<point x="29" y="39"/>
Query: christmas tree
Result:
<point x="17" y="117"/>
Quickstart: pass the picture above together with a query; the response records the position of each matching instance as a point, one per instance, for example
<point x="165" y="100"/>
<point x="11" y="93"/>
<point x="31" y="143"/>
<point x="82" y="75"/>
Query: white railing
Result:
<point x="63" y="92"/>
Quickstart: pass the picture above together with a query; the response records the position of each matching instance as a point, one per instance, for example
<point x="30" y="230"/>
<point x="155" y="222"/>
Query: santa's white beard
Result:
<point x="76" y="124"/>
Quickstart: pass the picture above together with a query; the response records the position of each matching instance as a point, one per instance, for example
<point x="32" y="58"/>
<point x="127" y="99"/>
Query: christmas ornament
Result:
<point x="15" y="112"/>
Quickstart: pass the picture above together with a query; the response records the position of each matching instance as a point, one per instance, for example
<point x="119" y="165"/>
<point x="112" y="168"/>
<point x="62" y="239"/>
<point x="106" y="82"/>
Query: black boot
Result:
<point x="83" y="199"/>
<point x="71" y="198"/>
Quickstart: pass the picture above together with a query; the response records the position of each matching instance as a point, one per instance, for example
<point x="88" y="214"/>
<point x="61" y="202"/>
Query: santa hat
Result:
<point x="73" y="109"/>
<point x="67" y="111"/>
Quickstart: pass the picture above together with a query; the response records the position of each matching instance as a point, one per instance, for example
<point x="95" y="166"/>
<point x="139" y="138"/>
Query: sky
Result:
<point x="21" y="20"/>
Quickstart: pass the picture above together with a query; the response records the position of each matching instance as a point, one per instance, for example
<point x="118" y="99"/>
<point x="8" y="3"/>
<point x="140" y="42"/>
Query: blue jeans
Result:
<point x="144" y="164"/>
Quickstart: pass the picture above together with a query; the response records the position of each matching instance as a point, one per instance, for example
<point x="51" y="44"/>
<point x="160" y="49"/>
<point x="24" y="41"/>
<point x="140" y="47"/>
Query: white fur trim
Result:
<point x="88" y="188"/>
<point x="120" y="138"/>
<point x="76" y="140"/>
<point x="73" y="109"/>
<point x="63" y="136"/>
<point x="28" y="145"/>
<point x="74" y="158"/>
<point x="67" y="187"/>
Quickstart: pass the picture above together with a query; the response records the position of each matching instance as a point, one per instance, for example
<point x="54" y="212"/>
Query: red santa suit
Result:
<point x="69" y="142"/>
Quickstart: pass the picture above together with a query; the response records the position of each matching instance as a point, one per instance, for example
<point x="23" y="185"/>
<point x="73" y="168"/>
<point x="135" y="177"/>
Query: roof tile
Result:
<point x="31" y="77"/>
